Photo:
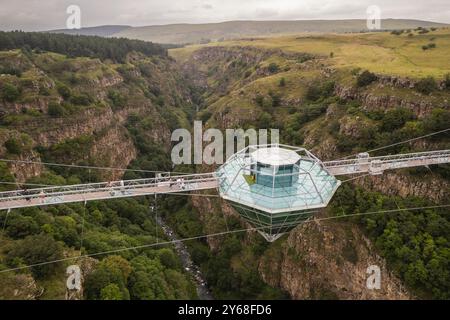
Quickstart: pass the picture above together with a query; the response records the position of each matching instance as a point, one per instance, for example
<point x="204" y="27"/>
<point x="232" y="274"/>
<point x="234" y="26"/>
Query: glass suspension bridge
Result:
<point x="274" y="187"/>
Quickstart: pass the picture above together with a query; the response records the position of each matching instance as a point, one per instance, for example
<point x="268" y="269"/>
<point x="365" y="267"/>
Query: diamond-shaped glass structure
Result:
<point x="275" y="187"/>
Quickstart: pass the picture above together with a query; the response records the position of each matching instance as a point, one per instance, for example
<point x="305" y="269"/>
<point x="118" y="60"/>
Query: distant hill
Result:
<point x="197" y="33"/>
<point x="101" y="31"/>
<point x="201" y="33"/>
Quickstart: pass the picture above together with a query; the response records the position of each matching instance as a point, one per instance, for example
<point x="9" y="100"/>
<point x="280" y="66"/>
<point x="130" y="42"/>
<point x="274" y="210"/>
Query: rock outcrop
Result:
<point x="328" y="260"/>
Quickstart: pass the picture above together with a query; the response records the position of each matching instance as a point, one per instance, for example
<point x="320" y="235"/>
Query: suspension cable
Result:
<point x="398" y="143"/>
<point x="86" y="167"/>
<point x="217" y="234"/>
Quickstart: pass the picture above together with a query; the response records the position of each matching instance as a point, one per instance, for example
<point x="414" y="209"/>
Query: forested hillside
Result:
<point x="78" y="45"/>
<point x="95" y="102"/>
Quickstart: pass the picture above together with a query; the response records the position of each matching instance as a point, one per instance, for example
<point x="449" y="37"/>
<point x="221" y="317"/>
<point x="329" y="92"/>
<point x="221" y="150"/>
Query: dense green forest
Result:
<point x="415" y="243"/>
<point x="78" y="46"/>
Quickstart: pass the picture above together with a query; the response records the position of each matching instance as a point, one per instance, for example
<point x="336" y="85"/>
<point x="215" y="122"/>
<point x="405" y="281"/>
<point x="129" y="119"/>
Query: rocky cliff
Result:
<point x="88" y="98"/>
<point x="325" y="260"/>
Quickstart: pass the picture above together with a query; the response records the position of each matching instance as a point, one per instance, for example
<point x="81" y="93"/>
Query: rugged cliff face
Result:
<point x="394" y="92"/>
<point x="328" y="259"/>
<point x="88" y="103"/>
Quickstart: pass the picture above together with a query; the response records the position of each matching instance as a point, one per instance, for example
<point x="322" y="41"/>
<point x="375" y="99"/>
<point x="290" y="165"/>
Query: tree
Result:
<point x="10" y="92"/>
<point x="426" y="85"/>
<point x="14" y="146"/>
<point x="6" y="176"/>
<point x="273" y="67"/>
<point x="81" y="100"/>
<point x="117" y="263"/>
<point x="101" y="278"/>
<point x="168" y="258"/>
<point x="396" y="118"/>
<point x="55" y="110"/>
<point x="64" y="91"/>
<point x="118" y="100"/>
<point x="447" y="81"/>
<point x="147" y="281"/>
<point x="37" y="249"/>
<point x="259" y="100"/>
<point x="313" y="93"/>
<point x="264" y="120"/>
<point x="276" y="99"/>
<point x="365" y="78"/>
<point x="78" y="46"/>
<point x="111" y="292"/>
<point x="19" y="226"/>
<point x="437" y="120"/>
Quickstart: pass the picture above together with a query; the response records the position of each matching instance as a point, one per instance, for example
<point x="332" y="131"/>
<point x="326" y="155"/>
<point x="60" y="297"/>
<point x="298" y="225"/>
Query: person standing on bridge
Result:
<point x="109" y="186"/>
<point x="42" y="196"/>
<point x="26" y="193"/>
<point x="122" y="186"/>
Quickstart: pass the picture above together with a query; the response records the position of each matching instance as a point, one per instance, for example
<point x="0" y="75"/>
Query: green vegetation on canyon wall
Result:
<point x="62" y="105"/>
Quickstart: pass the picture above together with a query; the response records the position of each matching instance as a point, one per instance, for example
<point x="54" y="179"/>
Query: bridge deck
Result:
<point x="185" y="183"/>
<point x="376" y="165"/>
<point x="110" y="190"/>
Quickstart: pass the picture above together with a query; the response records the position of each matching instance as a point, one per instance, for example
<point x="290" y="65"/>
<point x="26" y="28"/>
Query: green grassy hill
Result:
<point x="384" y="52"/>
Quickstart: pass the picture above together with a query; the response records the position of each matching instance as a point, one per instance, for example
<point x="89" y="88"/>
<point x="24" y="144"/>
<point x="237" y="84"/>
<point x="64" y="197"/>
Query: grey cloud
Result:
<point x="51" y="14"/>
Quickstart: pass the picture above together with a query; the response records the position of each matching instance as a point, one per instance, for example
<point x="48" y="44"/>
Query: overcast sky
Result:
<point x="51" y="14"/>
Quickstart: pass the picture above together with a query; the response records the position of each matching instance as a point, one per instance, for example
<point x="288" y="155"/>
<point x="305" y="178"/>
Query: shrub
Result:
<point x="205" y="116"/>
<point x="431" y="45"/>
<point x="35" y="250"/>
<point x="395" y="119"/>
<point x="436" y="121"/>
<point x="397" y="32"/>
<point x="264" y="120"/>
<point x="313" y="93"/>
<point x="276" y="99"/>
<point x="55" y="110"/>
<point x="273" y="68"/>
<point x="64" y="91"/>
<point x="117" y="99"/>
<point x="282" y="82"/>
<point x="365" y="78"/>
<point x="81" y="100"/>
<point x="426" y="85"/>
<point x="316" y="91"/>
<point x="10" y="92"/>
<point x="11" y="70"/>
<point x="259" y="100"/>
<point x="447" y="81"/>
<point x="14" y="146"/>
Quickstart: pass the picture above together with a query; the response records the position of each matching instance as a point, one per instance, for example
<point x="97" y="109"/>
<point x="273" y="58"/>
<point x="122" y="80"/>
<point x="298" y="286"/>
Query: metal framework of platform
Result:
<point x="165" y="184"/>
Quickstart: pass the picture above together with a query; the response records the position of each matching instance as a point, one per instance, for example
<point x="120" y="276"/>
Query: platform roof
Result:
<point x="275" y="156"/>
